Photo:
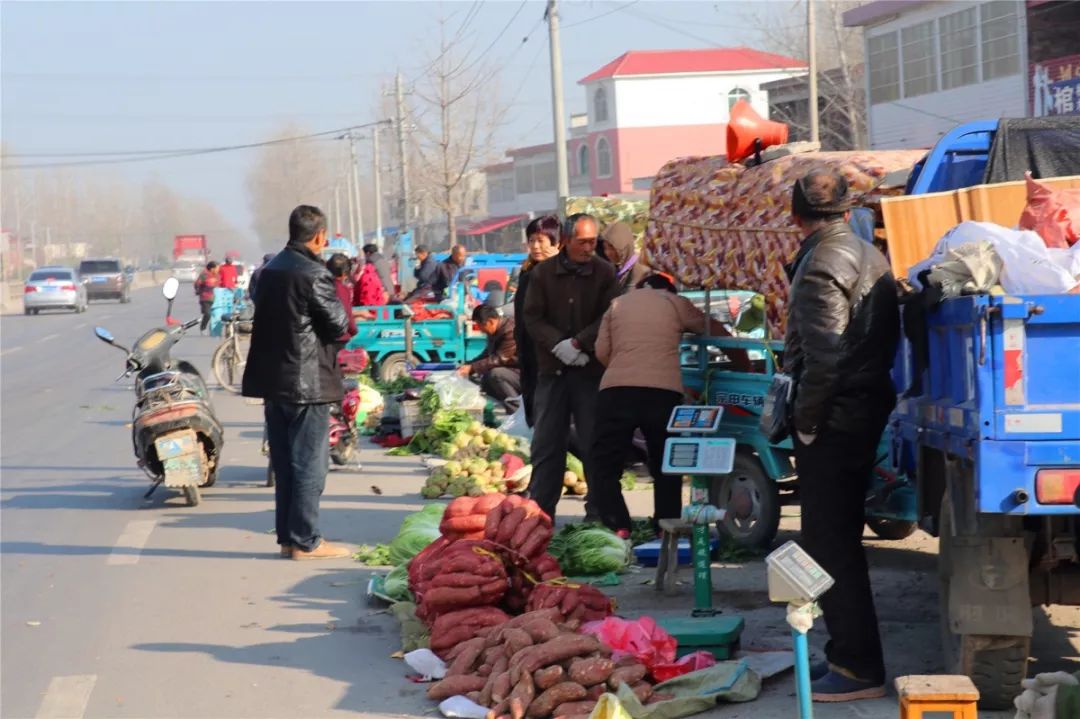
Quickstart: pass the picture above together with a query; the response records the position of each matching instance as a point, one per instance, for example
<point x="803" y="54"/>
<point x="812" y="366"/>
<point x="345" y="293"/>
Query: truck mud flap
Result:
<point x="182" y="457"/>
<point x="989" y="592"/>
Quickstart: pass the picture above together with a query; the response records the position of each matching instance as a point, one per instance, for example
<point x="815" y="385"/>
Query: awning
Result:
<point x="490" y="224"/>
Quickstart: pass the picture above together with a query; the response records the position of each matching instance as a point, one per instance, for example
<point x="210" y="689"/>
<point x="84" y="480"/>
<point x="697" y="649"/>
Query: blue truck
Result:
<point x="989" y="430"/>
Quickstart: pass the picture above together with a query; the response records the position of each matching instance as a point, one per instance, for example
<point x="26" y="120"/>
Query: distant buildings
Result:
<point x="934" y="65"/>
<point x="644" y="108"/>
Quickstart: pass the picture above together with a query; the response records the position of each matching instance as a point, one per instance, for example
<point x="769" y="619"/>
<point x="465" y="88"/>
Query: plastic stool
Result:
<point x="667" y="564"/>
<point x="946" y="693"/>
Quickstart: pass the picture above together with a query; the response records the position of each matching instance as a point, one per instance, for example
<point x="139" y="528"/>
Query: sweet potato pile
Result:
<point x="535" y="666"/>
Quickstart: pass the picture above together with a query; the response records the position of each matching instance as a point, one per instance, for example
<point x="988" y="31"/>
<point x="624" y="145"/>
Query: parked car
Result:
<point x="105" y="279"/>
<point x="186" y="271"/>
<point x="54" y="288"/>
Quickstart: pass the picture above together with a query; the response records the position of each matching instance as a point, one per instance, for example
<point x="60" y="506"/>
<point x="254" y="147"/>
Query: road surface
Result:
<point x="112" y="606"/>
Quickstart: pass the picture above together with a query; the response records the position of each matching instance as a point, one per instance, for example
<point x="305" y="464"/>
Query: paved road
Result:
<point x="113" y="606"/>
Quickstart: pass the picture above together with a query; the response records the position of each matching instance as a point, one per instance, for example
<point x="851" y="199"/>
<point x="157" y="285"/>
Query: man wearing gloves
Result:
<point x="842" y="333"/>
<point x="566" y="300"/>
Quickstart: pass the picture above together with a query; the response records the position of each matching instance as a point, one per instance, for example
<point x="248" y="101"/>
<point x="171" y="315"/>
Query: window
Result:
<point x="603" y="158"/>
<point x="736" y="95"/>
<point x="884" y="68"/>
<point x="583" y="160"/>
<point x="919" y="51"/>
<point x="544" y="177"/>
<point x="1000" y="45"/>
<point x="523" y="178"/>
<point x="959" y="42"/>
<point x="46" y="275"/>
<point x="600" y="105"/>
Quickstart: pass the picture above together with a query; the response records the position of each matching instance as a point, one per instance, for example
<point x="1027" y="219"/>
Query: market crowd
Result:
<point x="590" y="354"/>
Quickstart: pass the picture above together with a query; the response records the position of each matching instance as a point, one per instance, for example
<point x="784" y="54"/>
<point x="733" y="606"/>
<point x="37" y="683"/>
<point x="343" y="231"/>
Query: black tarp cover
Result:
<point x="1048" y="146"/>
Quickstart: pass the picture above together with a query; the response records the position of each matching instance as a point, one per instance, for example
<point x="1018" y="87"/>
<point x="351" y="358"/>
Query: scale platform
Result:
<point x="717" y="635"/>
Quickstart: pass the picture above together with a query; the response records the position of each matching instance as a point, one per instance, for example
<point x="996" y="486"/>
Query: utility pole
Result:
<point x="352" y="212"/>
<point x="378" y="184"/>
<point x="563" y="180"/>
<point x="811" y="50"/>
<point x="399" y="93"/>
<point x="337" y="207"/>
<point x="359" y="239"/>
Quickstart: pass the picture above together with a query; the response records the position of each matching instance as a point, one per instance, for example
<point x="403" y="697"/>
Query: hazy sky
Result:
<point x="118" y="76"/>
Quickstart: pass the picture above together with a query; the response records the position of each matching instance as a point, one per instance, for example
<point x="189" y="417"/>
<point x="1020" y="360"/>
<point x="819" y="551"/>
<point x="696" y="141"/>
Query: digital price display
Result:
<point x="689" y="419"/>
<point x="699" y="455"/>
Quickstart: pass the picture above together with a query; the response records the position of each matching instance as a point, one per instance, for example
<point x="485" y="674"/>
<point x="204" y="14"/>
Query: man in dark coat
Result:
<point x="427" y="267"/>
<point x="497" y="366"/>
<point x="292" y="367"/>
<point x="566" y="300"/>
<point x="446" y="270"/>
<point x="842" y="334"/>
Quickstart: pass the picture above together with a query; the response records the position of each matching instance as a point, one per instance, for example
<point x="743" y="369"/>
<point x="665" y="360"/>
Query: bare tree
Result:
<point x="288" y="174"/>
<point x="842" y="100"/>
<point x="459" y="115"/>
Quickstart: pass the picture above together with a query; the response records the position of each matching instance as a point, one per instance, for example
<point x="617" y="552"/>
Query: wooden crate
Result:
<point x="914" y="224"/>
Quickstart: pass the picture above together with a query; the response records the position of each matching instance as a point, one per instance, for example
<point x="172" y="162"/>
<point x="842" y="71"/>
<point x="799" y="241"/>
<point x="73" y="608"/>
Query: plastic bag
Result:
<point x="1029" y="267"/>
<point x="696" y="692"/>
<point x="690" y="663"/>
<point x="641" y="639"/>
<point x="425" y="663"/>
<point x="608" y="707"/>
<point x="1054" y="214"/>
<point x="516" y="425"/>
<point x="967" y="270"/>
<point x="458" y="393"/>
<point x="460" y="707"/>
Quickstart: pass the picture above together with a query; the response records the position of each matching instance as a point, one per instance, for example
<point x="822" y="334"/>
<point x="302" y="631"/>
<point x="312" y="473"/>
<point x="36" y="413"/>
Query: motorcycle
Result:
<point x="343" y="435"/>
<point x="176" y="436"/>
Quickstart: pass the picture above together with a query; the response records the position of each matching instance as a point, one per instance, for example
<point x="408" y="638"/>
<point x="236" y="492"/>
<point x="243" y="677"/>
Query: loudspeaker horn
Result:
<point x="749" y="132"/>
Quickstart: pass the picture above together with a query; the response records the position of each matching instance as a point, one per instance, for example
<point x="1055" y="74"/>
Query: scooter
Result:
<point x="343" y="435"/>
<point x="176" y="436"/>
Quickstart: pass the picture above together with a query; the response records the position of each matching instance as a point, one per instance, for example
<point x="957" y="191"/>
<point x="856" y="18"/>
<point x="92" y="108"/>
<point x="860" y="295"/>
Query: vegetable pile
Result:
<point x="590" y="550"/>
<point x="445" y="425"/>
<point x="534" y="665"/>
<point x="476" y="477"/>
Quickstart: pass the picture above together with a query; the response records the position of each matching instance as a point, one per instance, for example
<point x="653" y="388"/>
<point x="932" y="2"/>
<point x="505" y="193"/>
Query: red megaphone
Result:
<point x="748" y="132"/>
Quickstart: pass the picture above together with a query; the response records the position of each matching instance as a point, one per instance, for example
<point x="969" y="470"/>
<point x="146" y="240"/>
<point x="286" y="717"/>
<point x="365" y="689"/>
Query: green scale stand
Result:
<point x="697" y="452"/>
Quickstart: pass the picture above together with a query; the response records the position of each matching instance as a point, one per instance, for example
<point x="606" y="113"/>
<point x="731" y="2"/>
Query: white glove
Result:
<point x="566" y="352"/>
<point x="806" y="439"/>
<point x="581" y="360"/>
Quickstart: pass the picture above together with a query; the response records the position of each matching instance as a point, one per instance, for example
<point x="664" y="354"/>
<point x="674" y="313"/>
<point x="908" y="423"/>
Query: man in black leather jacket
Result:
<point x="292" y="366"/>
<point x="842" y="334"/>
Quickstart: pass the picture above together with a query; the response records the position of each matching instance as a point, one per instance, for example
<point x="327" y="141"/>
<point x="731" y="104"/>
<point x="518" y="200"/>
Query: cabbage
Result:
<point x="417" y="531"/>
<point x="589" y="550"/>
<point x="396" y="584"/>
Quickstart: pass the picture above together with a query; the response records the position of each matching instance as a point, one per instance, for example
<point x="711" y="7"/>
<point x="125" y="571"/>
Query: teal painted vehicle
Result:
<point x="401" y="337"/>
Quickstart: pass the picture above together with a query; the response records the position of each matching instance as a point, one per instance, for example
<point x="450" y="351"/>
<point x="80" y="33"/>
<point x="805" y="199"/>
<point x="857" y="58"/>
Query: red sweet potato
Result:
<point x="591" y="670"/>
<point x="549" y="677"/>
<point x="452" y="686"/>
<point x="561" y="693"/>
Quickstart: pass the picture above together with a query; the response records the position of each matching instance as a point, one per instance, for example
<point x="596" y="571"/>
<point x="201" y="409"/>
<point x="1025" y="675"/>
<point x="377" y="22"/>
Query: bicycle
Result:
<point x="230" y="357"/>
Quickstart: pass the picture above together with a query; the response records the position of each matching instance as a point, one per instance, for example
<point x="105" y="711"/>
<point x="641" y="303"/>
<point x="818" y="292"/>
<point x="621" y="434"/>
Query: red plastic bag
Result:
<point x="1052" y="213"/>
<point x="641" y="639"/>
<point x="689" y="663"/>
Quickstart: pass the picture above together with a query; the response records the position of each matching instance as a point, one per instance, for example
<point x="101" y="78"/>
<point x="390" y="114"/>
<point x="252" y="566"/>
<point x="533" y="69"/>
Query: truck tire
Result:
<point x="752" y="501"/>
<point x="891" y="528"/>
<point x="996" y="664"/>
<point x="392" y="366"/>
<point x="191" y="494"/>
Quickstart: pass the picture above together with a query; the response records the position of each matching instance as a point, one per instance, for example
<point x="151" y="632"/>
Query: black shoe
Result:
<point x="837" y="686"/>
<point x="818" y="670"/>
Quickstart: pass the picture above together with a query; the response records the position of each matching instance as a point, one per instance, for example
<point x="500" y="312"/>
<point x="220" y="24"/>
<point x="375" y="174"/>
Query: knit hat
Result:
<point x="821" y="193"/>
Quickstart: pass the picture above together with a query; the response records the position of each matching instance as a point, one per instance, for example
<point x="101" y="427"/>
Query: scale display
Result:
<point x="794" y="576"/>
<point x="699" y="455"/>
<point x="691" y="419"/>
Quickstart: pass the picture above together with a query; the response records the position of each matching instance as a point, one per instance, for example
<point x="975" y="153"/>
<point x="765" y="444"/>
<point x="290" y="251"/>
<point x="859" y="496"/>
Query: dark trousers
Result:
<point x="300" y="454"/>
<point x="204" y="307"/>
<point x="833" y="473"/>
<point x="621" y="410"/>
<point x="501" y="383"/>
<point x="560" y="398"/>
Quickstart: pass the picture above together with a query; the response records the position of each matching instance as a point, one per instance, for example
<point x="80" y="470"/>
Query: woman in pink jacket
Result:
<point x="639" y="344"/>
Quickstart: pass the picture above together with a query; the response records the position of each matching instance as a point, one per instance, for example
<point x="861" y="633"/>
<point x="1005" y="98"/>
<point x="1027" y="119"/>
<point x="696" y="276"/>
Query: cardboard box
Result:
<point x="913" y="225"/>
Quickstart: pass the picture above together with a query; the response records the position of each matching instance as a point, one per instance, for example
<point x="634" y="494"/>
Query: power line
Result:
<point x="597" y="17"/>
<point x="498" y="37"/>
<point x="151" y="155"/>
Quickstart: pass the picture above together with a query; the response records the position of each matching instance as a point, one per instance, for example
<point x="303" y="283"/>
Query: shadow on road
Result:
<point x="330" y="649"/>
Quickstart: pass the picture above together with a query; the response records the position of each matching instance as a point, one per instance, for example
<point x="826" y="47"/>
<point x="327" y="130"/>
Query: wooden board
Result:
<point x="914" y="224"/>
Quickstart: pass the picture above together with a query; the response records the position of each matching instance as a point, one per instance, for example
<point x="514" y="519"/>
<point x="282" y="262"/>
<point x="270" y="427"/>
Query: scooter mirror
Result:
<point x="171" y="288"/>
<point x="104" y="335"/>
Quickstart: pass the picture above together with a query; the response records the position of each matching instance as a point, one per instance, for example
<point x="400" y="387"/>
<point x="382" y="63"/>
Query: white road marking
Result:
<point x="10" y="350"/>
<point x="80" y="325"/>
<point x="46" y="338"/>
<point x="67" y="697"/>
<point x="131" y="542"/>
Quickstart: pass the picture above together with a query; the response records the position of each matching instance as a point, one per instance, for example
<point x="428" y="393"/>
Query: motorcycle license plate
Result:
<point x="181" y="458"/>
